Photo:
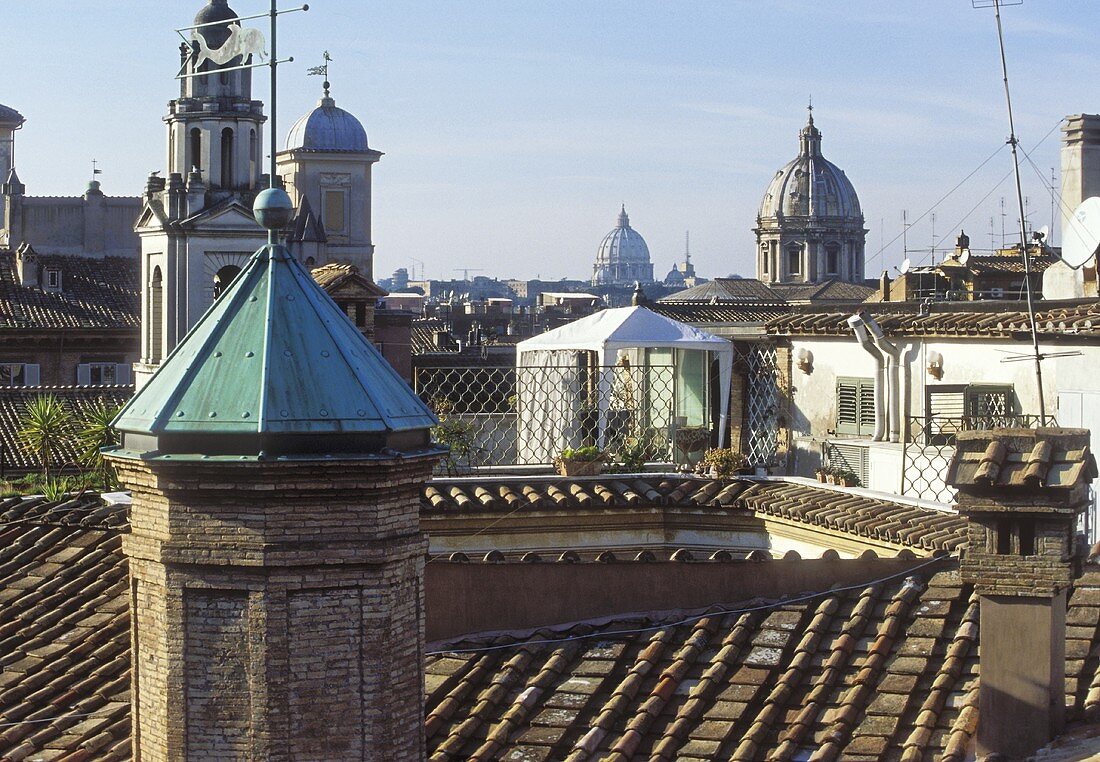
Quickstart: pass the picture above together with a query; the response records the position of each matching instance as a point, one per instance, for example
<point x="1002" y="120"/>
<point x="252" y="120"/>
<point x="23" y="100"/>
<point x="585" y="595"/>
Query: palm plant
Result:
<point x="46" y="425"/>
<point x="96" y="433"/>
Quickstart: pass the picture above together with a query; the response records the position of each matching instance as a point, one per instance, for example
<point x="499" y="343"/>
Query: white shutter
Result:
<point x="31" y="375"/>
<point x="83" y="374"/>
<point x="122" y="374"/>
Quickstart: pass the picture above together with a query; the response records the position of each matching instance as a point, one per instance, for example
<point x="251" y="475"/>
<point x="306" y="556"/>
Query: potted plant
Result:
<point x="722" y="463"/>
<point x="821" y="473"/>
<point x="580" y="461"/>
<point x="849" y="479"/>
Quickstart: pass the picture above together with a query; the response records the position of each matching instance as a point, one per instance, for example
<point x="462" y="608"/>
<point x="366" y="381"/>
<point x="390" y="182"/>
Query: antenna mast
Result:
<point x="1013" y="142"/>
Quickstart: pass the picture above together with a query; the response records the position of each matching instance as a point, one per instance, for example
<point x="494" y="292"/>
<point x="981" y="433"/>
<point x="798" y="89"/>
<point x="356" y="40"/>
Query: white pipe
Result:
<point x="857" y="325"/>
<point x="894" y="388"/>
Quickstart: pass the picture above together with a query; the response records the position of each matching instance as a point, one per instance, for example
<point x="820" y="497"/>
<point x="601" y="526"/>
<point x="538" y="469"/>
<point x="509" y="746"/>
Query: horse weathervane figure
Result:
<point x="244" y="44"/>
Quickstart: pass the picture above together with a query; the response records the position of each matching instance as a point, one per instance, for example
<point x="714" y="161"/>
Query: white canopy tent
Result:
<point x="609" y="331"/>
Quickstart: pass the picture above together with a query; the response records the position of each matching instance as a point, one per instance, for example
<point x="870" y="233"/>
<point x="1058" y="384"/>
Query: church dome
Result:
<point x="217" y="10"/>
<point x="623" y="256"/>
<point x="327" y="128"/>
<point x="623" y="244"/>
<point x="810" y="185"/>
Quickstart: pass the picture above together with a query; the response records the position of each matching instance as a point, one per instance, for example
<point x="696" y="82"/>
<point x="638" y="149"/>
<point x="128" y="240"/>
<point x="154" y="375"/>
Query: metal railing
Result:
<point x="929" y="446"/>
<point x="502" y="416"/>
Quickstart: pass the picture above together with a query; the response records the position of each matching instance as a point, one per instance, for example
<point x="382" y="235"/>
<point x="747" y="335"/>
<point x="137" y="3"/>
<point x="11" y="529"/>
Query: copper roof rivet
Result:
<point x="249" y="354"/>
<point x="251" y="298"/>
<point x="284" y="413"/>
<point x="213" y="415"/>
<point x="245" y="414"/>
<point x="324" y="353"/>
<point x="217" y="354"/>
<point x="324" y="413"/>
<point x="286" y="352"/>
<point x="179" y="414"/>
<point x="361" y="412"/>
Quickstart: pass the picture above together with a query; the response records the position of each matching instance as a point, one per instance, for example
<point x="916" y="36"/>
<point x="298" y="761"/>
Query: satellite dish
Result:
<point x="1082" y="234"/>
<point x="1044" y="235"/>
<point x="964" y="257"/>
<point x="905" y="266"/>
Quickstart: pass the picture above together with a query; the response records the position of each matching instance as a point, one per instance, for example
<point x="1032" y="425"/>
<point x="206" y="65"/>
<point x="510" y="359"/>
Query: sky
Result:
<point x="514" y="129"/>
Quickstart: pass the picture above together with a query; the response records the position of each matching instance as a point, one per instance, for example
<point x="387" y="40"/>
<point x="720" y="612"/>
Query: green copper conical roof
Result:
<point x="275" y="366"/>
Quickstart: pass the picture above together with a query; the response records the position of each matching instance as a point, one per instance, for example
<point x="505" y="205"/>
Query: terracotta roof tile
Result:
<point x="76" y="399"/>
<point x="96" y="293"/>
<point x="844" y="675"/>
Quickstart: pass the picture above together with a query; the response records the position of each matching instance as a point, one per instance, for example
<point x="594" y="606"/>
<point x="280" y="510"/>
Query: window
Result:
<point x="253" y="155"/>
<point x="156" y="316"/>
<point x="952" y="408"/>
<point x="53" y="279"/>
<point x="227" y="158"/>
<point x="855" y="406"/>
<point x="335" y="218"/>
<point x="102" y="373"/>
<point x="195" y="150"/>
<point x="223" y="278"/>
<point x="764" y="255"/>
<point x="13" y="374"/>
<point x="832" y="259"/>
<point x="691" y="386"/>
<point x="794" y="259"/>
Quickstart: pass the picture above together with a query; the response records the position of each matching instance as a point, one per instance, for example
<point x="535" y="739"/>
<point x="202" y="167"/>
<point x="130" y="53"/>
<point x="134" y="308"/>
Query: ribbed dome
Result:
<point x="218" y="10"/>
<point x="623" y="244"/>
<point x="327" y="128"/>
<point x="810" y="186"/>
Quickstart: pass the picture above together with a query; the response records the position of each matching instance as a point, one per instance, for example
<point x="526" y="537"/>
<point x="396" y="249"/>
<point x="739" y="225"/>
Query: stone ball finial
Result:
<point x="273" y="208"/>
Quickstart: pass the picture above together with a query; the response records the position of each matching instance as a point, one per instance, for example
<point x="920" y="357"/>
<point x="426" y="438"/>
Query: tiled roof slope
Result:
<point x="968" y="319"/>
<point x="610" y="491"/>
<point x="843" y="511"/>
<point x="96" y="293"/>
<point x="720" y="312"/>
<point x="830" y="290"/>
<point x="883" y="672"/>
<point x="64" y="633"/>
<point x="77" y="400"/>
<point x="423" y="336"/>
<point x="834" y="510"/>
<point x="726" y="290"/>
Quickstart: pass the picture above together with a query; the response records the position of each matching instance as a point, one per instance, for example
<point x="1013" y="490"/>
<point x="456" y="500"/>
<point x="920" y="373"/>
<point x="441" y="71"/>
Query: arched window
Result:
<point x="794" y="259"/>
<point x="156" y="316"/>
<point x="227" y="158"/>
<point x="832" y="258"/>
<point x="765" y="256"/>
<point x="194" y="150"/>
<point x="223" y="278"/>
<point x="253" y="155"/>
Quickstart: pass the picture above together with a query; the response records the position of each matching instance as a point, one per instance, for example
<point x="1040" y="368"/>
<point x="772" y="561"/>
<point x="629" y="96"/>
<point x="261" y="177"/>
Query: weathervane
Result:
<point x="246" y="44"/>
<point x="321" y="71"/>
<point x="95" y="169"/>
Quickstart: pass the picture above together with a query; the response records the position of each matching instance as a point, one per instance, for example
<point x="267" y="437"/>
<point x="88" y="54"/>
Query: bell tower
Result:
<point x="214" y="125"/>
<point x="196" y="227"/>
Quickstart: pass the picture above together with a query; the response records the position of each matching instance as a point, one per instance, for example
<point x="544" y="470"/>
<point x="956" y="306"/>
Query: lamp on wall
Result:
<point x="935" y="365"/>
<point x="804" y="358"/>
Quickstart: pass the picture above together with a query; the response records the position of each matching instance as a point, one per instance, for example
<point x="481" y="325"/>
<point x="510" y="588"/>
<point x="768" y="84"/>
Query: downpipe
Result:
<point x="859" y="327"/>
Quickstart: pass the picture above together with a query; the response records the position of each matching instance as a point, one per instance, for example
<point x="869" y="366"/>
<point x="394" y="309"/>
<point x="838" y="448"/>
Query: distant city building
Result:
<point x="623" y="257"/>
<point x="682" y="274"/>
<point x="89" y="225"/>
<point x="810" y="226"/>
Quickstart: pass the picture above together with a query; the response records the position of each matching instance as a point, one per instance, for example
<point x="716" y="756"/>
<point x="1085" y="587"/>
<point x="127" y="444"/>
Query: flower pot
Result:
<point x="848" y="482"/>
<point x="821" y="476"/>
<point x="830" y="479"/>
<point x="580" y="467"/>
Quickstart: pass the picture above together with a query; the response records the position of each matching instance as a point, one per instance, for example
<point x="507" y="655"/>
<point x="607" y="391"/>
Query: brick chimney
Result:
<point x="1022" y="491"/>
<point x="276" y="558"/>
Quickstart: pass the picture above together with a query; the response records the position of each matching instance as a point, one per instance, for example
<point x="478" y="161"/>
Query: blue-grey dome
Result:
<point x="810" y="185"/>
<point x="623" y="257"/>
<point x="327" y="128"/>
<point x="217" y="10"/>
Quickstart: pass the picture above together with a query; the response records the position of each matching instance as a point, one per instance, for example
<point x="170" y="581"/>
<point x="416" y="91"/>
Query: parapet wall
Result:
<point x="468" y="598"/>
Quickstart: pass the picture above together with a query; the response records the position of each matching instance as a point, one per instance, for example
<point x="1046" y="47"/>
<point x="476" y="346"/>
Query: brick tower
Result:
<point x="276" y="558"/>
<point x="1022" y="491"/>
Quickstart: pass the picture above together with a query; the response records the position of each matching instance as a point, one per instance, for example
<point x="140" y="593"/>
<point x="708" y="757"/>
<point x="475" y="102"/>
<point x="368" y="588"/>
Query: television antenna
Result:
<point x="1082" y="234"/>
<point x="1013" y="143"/>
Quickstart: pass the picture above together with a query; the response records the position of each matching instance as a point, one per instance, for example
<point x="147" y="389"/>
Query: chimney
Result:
<point x="196" y="192"/>
<point x="26" y="266"/>
<point x="1021" y="491"/>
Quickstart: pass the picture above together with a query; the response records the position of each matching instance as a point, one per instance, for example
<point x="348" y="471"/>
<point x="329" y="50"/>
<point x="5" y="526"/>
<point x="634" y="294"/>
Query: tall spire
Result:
<point x="624" y="221"/>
